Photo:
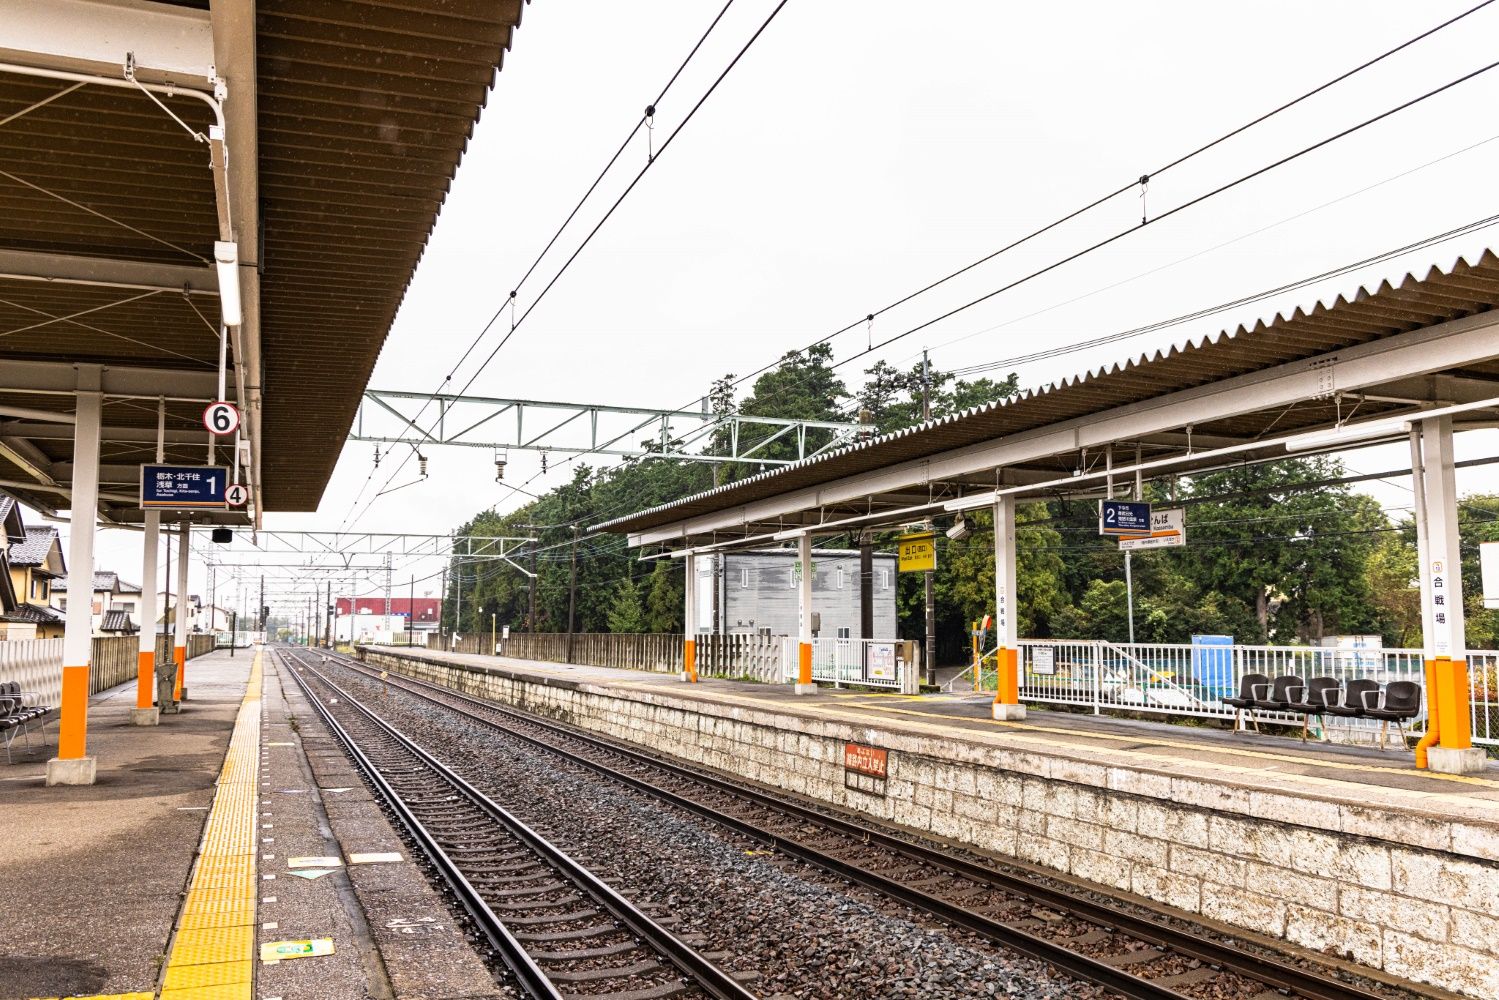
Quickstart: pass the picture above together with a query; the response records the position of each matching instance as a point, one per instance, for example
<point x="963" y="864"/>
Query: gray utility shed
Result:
<point x="755" y="593"/>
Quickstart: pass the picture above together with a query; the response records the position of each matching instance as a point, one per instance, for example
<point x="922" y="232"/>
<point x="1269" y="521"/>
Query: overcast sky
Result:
<point x="861" y="150"/>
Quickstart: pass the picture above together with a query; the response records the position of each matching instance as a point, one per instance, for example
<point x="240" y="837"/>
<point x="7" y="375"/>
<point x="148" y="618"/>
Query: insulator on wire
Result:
<point x="500" y="458"/>
<point x="421" y="465"/>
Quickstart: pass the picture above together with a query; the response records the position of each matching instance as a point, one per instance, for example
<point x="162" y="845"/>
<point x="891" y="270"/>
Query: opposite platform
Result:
<point x="1345" y="851"/>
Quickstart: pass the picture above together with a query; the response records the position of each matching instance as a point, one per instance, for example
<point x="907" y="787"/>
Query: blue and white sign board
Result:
<point x="183" y="487"/>
<point x="1123" y="517"/>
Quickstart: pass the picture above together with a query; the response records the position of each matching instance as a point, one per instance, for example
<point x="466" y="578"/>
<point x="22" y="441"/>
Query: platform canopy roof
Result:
<point x="1417" y="346"/>
<point x="318" y="136"/>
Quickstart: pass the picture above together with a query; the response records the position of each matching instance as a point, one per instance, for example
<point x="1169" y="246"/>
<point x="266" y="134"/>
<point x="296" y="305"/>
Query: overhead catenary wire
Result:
<point x="615" y="206"/>
<point x="869" y="317"/>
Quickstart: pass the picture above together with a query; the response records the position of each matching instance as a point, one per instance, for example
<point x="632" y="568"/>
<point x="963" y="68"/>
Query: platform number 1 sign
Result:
<point x="236" y="495"/>
<point x="221" y="418"/>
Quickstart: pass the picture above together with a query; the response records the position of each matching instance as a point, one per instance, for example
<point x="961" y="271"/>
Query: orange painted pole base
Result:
<point x="1433" y="716"/>
<point x="1007" y="707"/>
<point x="804" y="682"/>
<point x="179" y="656"/>
<point x="1454" y="694"/>
<point x="145" y="680"/>
<point x="72" y="726"/>
<point x="689" y="661"/>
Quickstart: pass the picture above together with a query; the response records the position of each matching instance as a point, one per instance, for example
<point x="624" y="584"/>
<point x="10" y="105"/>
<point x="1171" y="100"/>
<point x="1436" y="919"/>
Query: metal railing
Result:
<point x="37" y="663"/>
<point x="1185" y="680"/>
<point x="851" y="662"/>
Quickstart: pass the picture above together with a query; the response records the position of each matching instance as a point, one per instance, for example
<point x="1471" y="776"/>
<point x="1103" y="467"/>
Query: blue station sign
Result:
<point x="183" y="487"/>
<point x="1123" y="517"/>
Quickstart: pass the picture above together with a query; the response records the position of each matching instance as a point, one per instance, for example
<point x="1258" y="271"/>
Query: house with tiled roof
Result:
<point x="110" y="594"/>
<point x="12" y="533"/>
<point x="35" y="565"/>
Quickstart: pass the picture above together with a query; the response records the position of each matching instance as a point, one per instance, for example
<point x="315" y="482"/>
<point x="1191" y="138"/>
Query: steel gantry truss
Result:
<point x="423" y="419"/>
<point x="339" y="551"/>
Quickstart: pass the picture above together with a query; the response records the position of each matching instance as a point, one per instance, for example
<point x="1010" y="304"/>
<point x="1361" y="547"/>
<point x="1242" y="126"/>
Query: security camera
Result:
<point x="959" y="530"/>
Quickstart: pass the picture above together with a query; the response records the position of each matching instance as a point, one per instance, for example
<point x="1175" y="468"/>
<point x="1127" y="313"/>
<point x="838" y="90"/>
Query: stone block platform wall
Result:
<point x="1412" y="893"/>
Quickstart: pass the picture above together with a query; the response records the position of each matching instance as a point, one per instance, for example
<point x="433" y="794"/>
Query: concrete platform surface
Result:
<point x="93" y="875"/>
<point x="1350" y="773"/>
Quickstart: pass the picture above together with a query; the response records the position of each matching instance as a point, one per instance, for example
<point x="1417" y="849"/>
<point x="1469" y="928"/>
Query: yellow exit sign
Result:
<point x="918" y="552"/>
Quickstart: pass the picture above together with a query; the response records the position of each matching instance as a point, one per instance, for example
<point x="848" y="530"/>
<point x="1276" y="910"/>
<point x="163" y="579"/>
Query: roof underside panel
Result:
<point x="364" y="111"/>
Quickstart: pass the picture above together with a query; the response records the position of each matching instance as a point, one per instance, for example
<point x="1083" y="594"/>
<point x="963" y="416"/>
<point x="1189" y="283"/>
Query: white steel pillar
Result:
<point x="804" y="682"/>
<point x="1007" y="705"/>
<point x="72" y="765"/>
<point x="689" y="620"/>
<point x="145" y="713"/>
<point x="1448" y="743"/>
<point x="179" y="619"/>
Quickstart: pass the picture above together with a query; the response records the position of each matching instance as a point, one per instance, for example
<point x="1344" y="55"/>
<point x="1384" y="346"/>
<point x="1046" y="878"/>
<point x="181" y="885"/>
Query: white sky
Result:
<point x="863" y="149"/>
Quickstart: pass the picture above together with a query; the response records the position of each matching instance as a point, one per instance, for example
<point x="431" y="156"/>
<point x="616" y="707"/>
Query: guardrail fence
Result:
<point x="37" y="663"/>
<point x="853" y="662"/>
<point x="741" y="657"/>
<point x="1192" y="680"/>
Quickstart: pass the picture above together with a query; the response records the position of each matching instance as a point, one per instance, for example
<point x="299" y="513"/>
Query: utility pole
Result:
<point x="929" y="577"/>
<point x="531" y="613"/>
<point x="442" y="610"/>
<point x="387" y="596"/>
<point x="411" y="615"/>
<point x="572" y="595"/>
<point x="262" y="608"/>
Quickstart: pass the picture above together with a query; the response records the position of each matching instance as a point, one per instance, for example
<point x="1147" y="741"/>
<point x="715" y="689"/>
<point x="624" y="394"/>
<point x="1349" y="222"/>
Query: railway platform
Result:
<point x="1346" y="851"/>
<point x="233" y="828"/>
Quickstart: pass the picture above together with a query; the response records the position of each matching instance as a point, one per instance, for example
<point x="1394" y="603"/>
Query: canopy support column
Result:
<point x="1448" y="744"/>
<point x="1007" y="705"/>
<point x="72" y="765"/>
<point x="145" y="712"/>
<point x="804" y="682"/>
<point x="179" y="619"/>
<point x="689" y="620"/>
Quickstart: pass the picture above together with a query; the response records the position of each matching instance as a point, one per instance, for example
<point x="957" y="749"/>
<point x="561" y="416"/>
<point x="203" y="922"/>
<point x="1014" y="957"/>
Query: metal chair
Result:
<point x="1245" y="699"/>
<point x="1352" y="704"/>
<point x="1312" y="700"/>
<point x="1399" y="702"/>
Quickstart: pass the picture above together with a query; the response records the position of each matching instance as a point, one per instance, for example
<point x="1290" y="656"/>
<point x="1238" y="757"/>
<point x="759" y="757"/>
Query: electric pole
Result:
<point x="572" y="595"/>
<point x="929" y="577"/>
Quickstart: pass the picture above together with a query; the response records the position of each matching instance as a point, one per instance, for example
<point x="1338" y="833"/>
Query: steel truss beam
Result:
<point x="387" y="417"/>
<point x="67" y="269"/>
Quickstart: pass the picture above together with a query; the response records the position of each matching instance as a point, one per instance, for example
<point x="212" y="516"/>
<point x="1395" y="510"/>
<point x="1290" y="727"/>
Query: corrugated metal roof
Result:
<point x="364" y="111"/>
<point x="1369" y="314"/>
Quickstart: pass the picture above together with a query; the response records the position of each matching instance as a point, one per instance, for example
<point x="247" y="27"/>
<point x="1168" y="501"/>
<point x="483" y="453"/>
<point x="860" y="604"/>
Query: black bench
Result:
<point x="16" y="716"/>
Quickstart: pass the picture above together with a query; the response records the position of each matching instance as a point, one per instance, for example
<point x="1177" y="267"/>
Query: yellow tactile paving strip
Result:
<point x="213" y="953"/>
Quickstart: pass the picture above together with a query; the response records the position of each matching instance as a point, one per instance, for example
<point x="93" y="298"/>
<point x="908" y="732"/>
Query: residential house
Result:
<point x="12" y="533"/>
<point x="35" y="566"/>
<point x="201" y="617"/>
<point x="116" y="603"/>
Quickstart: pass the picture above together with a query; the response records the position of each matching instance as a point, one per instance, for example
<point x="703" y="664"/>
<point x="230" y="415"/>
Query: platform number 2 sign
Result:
<point x="236" y="495"/>
<point x="221" y="418"/>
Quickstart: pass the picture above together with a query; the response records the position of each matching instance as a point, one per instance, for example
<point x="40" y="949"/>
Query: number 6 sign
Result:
<point x="236" y="495"/>
<point x="221" y="418"/>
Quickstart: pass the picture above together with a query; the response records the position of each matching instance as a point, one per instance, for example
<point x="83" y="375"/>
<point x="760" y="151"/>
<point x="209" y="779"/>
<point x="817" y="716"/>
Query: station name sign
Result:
<point x="184" y="487"/>
<point x="1123" y="518"/>
<point x="1168" y="529"/>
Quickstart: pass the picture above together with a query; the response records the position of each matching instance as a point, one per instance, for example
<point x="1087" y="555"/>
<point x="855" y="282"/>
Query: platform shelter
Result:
<point x="209" y="202"/>
<point x="1415" y="360"/>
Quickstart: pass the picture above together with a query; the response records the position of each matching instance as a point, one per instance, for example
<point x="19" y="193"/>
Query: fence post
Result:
<point x="1097" y="677"/>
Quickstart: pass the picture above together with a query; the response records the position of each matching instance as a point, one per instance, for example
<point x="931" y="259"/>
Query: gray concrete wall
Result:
<point x="1410" y="892"/>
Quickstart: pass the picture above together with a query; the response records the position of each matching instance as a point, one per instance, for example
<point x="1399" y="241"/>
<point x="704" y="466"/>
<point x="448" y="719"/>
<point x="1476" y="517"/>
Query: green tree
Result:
<point x="626" y="614"/>
<point x="665" y="599"/>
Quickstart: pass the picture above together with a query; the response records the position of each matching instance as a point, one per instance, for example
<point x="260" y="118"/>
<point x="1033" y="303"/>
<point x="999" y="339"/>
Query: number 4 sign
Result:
<point x="221" y="418"/>
<point x="236" y="495"/>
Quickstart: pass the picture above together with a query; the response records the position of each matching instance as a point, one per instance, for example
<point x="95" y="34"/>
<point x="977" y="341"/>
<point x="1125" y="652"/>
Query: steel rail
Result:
<point x="1276" y="975"/>
<point x="698" y="970"/>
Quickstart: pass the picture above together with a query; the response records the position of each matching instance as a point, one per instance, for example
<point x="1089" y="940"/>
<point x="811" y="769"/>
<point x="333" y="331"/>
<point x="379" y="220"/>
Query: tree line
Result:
<point x="1277" y="553"/>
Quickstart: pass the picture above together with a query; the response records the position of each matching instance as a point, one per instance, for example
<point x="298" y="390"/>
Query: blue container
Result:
<point x="1213" y="664"/>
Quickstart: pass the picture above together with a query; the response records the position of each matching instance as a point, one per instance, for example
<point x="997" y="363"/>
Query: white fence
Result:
<point x="852" y="662"/>
<point x="1180" y="679"/>
<point x="37" y="665"/>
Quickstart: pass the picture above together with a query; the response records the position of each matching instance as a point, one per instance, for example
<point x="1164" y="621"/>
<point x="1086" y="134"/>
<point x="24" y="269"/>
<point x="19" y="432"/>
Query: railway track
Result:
<point x="1133" y="954"/>
<point x="561" y="931"/>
